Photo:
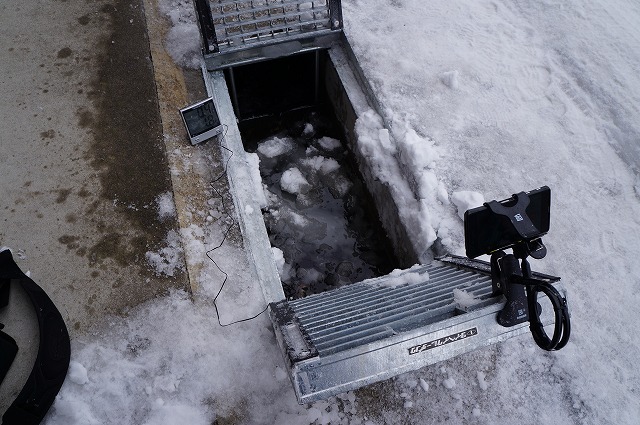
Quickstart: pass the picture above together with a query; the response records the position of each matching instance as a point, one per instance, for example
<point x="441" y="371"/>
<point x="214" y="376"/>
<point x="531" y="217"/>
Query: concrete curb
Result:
<point x="173" y="95"/>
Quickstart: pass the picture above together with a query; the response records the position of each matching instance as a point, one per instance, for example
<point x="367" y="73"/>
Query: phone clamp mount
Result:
<point x="512" y="276"/>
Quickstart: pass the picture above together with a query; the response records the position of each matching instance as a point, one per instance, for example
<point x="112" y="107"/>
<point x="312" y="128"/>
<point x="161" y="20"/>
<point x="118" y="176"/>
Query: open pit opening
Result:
<point x="319" y="215"/>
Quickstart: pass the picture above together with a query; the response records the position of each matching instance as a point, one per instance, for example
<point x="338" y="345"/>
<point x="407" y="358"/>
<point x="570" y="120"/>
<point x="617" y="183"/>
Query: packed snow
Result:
<point x="411" y="276"/>
<point x="465" y="200"/>
<point x="498" y="96"/>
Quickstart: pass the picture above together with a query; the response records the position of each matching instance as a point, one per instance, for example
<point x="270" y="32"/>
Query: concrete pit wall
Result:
<point x="349" y="99"/>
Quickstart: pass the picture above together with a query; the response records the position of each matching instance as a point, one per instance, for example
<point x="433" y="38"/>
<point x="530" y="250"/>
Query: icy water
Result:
<point x="319" y="213"/>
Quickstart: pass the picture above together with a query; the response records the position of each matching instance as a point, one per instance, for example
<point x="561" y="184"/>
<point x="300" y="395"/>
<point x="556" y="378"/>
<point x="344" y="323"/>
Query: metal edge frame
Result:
<point x="485" y="267"/>
<point x="206" y="27"/>
<point x="238" y="172"/>
<point x="271" y="50"/>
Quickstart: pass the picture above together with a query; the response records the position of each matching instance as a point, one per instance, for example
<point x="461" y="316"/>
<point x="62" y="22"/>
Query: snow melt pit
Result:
<point x="361" y="333"/>
<point x="322" y="223"/>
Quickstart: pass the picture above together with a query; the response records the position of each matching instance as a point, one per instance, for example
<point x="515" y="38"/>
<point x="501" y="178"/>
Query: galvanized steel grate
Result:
<point x="243" y="23"/>
<point x="366" y="312"/>
<point x="236" y="32"/>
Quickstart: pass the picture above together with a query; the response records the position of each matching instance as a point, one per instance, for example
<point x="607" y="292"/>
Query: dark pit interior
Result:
<point x="320" y="214"/>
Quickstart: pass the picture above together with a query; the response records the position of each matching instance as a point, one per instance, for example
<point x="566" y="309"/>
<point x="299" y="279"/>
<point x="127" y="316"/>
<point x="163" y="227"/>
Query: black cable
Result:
<point x="562" y="324"/>
<point x="232" y="224"/>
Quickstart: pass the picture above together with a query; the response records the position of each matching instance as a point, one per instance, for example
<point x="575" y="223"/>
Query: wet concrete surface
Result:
<point x="82" y="163"/>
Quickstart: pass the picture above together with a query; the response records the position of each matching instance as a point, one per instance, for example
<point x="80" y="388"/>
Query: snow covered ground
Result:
<point x="513" y="95"/>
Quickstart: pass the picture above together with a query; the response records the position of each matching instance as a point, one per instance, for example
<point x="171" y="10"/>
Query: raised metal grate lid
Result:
<point x="240" y="24"/>
<point x="237" y="32"/>
<point x="366" y="312"/>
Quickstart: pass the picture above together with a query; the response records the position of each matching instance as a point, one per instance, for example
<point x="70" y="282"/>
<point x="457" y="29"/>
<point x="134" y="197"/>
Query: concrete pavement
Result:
<point x="82" y="163"/>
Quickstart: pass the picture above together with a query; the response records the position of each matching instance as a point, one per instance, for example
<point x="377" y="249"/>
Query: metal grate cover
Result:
<point x="243" y="23"/>
<point x="370" y="311"/>
<point x="241" y="31"/>
<point x="370" y="331"/>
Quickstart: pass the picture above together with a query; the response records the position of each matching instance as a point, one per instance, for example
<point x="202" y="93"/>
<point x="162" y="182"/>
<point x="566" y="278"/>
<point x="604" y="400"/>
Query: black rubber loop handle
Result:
<point x="562" y="324"/>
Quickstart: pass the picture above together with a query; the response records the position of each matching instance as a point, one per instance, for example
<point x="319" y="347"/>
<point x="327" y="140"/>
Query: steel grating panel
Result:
<point x="240" y="24"/>
<point x="376" y="309"/>
<point x="370" y="331"/>
<point x="244" y="31"/>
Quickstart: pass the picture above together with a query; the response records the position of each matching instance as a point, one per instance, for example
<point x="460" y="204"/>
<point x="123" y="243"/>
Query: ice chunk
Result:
<point x="450" y="79"/>
<point x="256" y="180"/>
<point x="321" y="164"/>
<point x="329" y="143"/>
<point x="449" y="383"/>
<point x="275" y="147"/>
<point x="308" y="129"/>
<point x="483" y="384"/>
<point x="294" y="182"/>
<point x="284" y="269"/>
<point x="77" y="373"/>
<point x="416" y="274"/>
<point x="338" y="184"/>
<point x="166" y="206"/>
<point x="309" y="276"/>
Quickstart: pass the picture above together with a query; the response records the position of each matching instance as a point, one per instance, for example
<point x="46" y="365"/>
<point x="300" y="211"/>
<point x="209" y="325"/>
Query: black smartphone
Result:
<point x="486" y="232"/>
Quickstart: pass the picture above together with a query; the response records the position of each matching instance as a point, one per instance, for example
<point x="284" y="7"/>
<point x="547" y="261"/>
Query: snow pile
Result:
<point x="465" y="200"/>
<point x="170" y="362"/>
<point x="405" y="164"/>
<point x="183" y="40"/>
<point x="545" y="93"/>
